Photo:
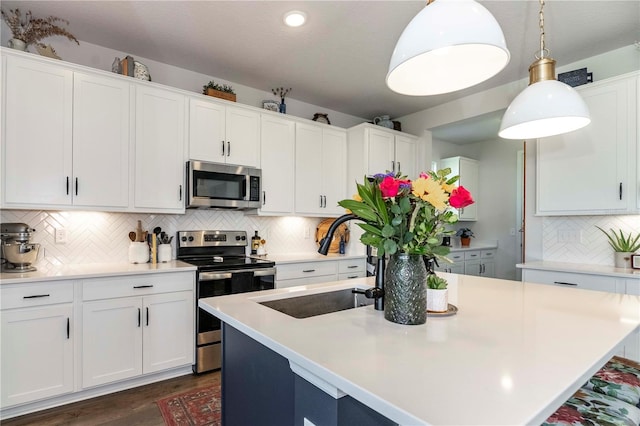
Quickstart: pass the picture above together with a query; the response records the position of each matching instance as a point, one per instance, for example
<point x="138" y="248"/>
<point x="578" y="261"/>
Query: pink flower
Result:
<point x="460" y="198"/>
<point x="618" y="377"/>
<point x="566" y="415"/>
<point x="390" y="186"/>
<point x="424" y="175"/>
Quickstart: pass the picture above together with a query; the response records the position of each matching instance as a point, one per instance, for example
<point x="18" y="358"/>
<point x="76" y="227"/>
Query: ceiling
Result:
<point x="339" y="59"/>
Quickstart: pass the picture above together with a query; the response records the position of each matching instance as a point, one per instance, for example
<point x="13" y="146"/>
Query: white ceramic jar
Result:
<point x="138" y="252"/>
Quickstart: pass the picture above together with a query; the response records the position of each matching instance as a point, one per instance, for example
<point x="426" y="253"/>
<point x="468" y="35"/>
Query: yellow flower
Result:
<point x="430" y="191"/>
<point x="449" y="188"/>
<point x="357" y="197"/>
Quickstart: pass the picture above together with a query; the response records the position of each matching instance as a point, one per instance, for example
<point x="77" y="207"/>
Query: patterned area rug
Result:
<point x="198" y="407"/>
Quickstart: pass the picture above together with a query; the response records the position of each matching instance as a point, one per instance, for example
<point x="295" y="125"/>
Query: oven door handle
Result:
<point x="214" y="276"/>
<point x="264" y="272"/>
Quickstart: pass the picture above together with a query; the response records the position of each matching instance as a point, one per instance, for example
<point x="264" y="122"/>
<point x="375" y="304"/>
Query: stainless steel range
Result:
<point x="223" y="268"/>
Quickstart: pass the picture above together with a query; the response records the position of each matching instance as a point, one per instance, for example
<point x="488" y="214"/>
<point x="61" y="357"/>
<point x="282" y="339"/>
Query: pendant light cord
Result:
<point x="543" y="49"/>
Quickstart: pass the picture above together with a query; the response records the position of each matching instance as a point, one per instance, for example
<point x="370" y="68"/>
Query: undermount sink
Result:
<point x="311" y="305"/>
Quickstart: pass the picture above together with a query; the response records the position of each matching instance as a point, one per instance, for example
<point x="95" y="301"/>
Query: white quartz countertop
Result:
<point x="89" y="270"/>
<point x="512" y="355"/>
<point x="582" y="268"/>
<point x="310" y="257"/>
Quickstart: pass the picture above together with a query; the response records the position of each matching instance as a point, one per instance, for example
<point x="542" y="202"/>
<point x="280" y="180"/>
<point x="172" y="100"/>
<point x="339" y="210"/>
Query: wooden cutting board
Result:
<point x="342" y="231"/>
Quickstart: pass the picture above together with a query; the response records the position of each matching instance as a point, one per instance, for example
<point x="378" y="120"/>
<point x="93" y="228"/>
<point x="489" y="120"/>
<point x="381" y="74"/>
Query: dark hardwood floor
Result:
<point x="133" y="407"/>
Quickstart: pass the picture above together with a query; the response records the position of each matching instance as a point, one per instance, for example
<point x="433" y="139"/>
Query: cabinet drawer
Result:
<point x="352" y="275"/>
<point x="455" y="257"/>
<point x="25" y="295"/>
<point x="568" y="279"/>
<point x="351" y="265"/>
<point x="307" y="269"/>
<point x="488" y="254"/>
<point x="305" y="281"/>
<point x="138" y="285"/>
<point x="473" y="254"/>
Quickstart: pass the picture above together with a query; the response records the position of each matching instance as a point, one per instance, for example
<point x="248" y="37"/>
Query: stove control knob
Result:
<point x="190" y="239"/>
<point x="183" y="238"/>
<point x="237" y="237"/>
<point x="244" y="238"/>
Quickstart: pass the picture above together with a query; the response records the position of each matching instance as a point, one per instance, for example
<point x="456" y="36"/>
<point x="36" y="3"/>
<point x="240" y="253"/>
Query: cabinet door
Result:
<point x="168" y="336"/>
<point x="111" y="340"/>
<point x="585" y="171"/>
<point x="469" y="179"/>
<point x="381" y="152"/>
<point x="473" y="267"/>
<point x="100" y="141"/>
<point x="38" y="134"/>
<point x="206" y="131"/>
<point x="159" y="150"/>
<point x="278" y="161"/>
<point x="308" y="169"/>
<point x="488" y="268"/>
<point x="334" y="170"/>
<point x="406" y="156"/>
<point x="243" y="137"/>
<point x="37" y="353"/>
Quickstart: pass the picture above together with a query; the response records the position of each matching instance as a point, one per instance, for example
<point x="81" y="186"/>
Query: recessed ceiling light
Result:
<point x="295" y="18"/>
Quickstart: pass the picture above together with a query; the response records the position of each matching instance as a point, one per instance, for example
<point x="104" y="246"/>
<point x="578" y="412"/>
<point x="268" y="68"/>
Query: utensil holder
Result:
<point x="164" y="253"/>
<point x="138" y="252"/>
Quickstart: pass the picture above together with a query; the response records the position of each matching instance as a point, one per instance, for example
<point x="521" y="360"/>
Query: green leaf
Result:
<point x="370" y="228"/>
<point x="388" y="231"/>
<point x="390" y="247"/>
<point x="395" y="209"/>
<point x="405" y="205"/>
<point x="397" y="220"/>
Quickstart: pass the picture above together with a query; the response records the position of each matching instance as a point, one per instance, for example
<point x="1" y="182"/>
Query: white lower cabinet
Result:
<point x="124" y="337"/>
<point x="305" y="273"/>
<point x="479" y="263"/>
<point x="37" y="342"/>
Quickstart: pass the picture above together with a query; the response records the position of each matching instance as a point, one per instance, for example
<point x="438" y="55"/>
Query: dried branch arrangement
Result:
<point x="31" y="30"/>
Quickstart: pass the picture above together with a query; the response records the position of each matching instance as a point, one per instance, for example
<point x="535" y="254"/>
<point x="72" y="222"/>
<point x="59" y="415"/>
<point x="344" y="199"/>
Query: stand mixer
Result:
<point x="18" y="254"/>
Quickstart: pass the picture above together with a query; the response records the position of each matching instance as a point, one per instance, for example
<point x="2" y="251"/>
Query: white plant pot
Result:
<point x="437" y="300"/>
<point x="138" y="252"/>
<point x="622" y="259"/>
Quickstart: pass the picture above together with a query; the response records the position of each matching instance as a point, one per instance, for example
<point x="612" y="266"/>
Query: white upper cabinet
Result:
<point x="223" y="134"/>
<point x="374" y="149"/>
<point x="593" y="170"/>
<point x="278" y="137"/>
<point x="159" y="153"/>
<point x="67" y="138"/>
<point x="320" y="170"/>
<point x="468" y="170"/>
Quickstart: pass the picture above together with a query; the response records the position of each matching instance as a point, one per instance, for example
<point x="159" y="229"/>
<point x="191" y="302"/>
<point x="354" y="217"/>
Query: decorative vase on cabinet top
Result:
<point x="383" y="121"/>
<point x="16" y="43"/>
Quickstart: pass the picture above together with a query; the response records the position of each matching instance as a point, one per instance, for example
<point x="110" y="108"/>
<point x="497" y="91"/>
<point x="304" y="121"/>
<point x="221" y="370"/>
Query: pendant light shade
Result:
<point x="547" y="107"/>
<point x="450" y="45"/>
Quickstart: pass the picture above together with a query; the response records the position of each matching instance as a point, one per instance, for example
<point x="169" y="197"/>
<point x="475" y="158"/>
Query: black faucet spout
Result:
<point x="324" y="249"/>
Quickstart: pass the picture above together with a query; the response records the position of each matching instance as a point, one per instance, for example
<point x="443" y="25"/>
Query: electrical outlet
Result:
<point x="307" y="233"/>
<point x="61" y="236"/>
<point x="568" y="236"/>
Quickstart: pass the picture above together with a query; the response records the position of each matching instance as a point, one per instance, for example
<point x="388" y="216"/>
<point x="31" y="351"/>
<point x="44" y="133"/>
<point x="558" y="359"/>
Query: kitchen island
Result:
<point x="512" y="354"/>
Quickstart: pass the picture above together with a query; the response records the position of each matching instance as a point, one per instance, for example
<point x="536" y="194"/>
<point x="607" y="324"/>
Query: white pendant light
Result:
<point x="449" y="45"/>
<point x="547" y="107"/>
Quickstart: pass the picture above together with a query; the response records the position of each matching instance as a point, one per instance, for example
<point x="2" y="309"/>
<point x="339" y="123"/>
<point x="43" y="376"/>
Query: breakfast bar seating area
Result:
<point x="611" y="397"/>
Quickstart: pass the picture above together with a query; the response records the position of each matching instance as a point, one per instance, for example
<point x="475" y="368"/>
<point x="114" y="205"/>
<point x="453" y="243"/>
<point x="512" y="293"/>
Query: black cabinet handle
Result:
<point x="352" y="266"/>
<point x="309" y="270"/>
<point x="76" y="186"/>
<point x="565" y="283"/>
<point x="35" y="296"/>
<point x="147" y="316"/>
<point x="180" y="193"/>
<point x="264" y="198"/>
<point x="352" y="276"/>
<point x="139" y="317"/>
<point x="68" y="328"/>
<point x="143" y="286"/>
<point x="223" y="148"/>
<point x="67" y="185"/>
<point x="228" y="148"/>
<point x="620" y="191"/>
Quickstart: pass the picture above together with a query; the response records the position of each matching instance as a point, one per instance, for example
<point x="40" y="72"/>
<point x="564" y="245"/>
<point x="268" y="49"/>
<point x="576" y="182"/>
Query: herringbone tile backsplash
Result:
<point x="98" y="237"/>
<point x="587" y="243"/>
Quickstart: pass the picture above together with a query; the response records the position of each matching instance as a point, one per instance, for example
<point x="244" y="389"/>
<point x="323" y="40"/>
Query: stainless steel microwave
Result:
<point x="222" y="186"/>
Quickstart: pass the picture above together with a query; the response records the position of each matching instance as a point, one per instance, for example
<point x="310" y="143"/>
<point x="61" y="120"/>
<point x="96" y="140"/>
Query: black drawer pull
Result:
<point x="309" y="270"/>
<point x="352" y="276"/>
<point x="565" y="283"/>
<point x="143" y="286"/>
<point x="352" y="266"/>
<point x="36" y="296"/>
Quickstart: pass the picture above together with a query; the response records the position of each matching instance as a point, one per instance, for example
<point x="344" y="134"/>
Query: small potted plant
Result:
<point x="465" y="235"/>
<point x="222" y="91"/>
<point x="437" y="294"/>
<point x="623" y="247"/>
<point x="27" y="30"/>
<point x="281" y="92"/>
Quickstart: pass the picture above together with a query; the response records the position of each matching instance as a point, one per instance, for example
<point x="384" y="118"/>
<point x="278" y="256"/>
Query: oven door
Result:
<point x="208" y="327"/>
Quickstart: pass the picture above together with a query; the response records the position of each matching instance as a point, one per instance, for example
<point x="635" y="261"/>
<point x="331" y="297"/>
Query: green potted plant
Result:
<point x="27" y="29"/>
<point x="623" y="246"/>
<point x="437" y="294"/>
<point x="465" y="235"/>
<point x="222" y="91"/>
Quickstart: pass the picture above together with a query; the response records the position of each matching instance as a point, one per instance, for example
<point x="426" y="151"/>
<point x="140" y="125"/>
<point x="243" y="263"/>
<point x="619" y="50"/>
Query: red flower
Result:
<point x="618" y="377"/>
<point x="390" y="186"/>
<point x="566" y="415"/>
<point x="460" y="198"/>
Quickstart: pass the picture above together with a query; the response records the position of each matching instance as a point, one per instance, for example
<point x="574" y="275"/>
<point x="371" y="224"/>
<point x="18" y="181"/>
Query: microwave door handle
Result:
<point x="247" y="182"/>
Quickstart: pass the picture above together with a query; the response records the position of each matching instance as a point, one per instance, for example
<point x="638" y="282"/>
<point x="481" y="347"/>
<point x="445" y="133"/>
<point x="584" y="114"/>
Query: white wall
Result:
<point x="496" y="196"/>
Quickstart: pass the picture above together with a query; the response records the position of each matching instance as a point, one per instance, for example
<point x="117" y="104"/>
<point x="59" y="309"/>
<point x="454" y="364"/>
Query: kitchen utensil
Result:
<point x="157" y="230"/>
<point x="21" y="254"/>
<point x="163" y="238"/>
<point x="132" y="236"/>
<point x="139" y="232"/>
<point x="17" y="252"/>
<point x="145" y="237"/>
